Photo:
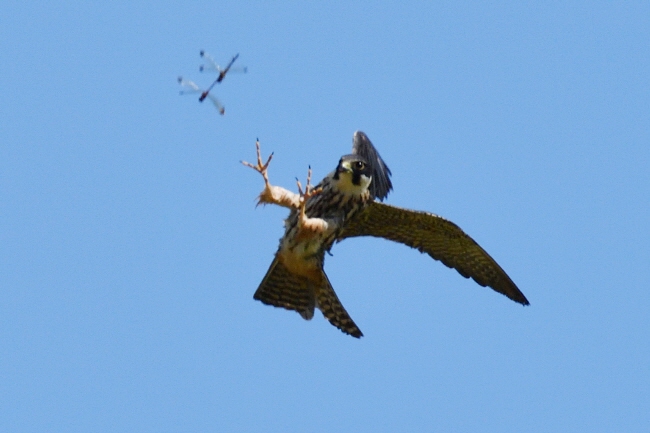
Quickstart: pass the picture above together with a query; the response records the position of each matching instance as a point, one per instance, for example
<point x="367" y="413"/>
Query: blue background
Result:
<point x="130" y="245"/>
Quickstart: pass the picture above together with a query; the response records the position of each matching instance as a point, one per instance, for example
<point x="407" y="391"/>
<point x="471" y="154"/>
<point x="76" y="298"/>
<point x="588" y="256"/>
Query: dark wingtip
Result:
<point x="355" y="332"/>
<point x="381" y="184"/>
<point x="518" y="297"/>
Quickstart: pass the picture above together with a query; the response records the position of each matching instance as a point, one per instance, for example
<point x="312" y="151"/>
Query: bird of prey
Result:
<point x="348" y="203"/>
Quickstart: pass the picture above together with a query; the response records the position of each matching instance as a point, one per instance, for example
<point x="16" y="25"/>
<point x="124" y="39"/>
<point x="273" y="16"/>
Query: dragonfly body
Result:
<point x="190" y="87"/>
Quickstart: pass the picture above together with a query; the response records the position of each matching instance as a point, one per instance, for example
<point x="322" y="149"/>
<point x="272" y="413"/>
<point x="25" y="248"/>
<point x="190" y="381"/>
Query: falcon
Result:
<point x="348" y="203"/>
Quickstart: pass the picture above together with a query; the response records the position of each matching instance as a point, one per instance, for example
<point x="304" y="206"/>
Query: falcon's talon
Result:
<point x="309" y="188"/>
<point x="260" y="168"/>
<point x="271" y="194"/>
<point x="304" y="196"/>
<point x="309" y="191"/>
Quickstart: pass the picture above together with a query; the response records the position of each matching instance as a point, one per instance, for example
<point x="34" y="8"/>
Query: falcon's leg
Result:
<point x="272" y="194"/>
<point x="309" y="227"/>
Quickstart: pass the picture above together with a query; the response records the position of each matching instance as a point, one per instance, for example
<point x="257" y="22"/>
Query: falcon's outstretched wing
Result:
<point x="434" y="235"/>
<point x="381" y="184"/>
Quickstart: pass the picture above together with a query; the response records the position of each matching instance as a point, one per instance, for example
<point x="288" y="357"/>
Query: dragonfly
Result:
<point x="190" y="87"/>
<point x="214" y="67"/>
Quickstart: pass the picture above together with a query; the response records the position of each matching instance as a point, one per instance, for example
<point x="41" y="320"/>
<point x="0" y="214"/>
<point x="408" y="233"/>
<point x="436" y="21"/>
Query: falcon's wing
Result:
<point x="381" y="184"/>
<point x="434" y="235"/>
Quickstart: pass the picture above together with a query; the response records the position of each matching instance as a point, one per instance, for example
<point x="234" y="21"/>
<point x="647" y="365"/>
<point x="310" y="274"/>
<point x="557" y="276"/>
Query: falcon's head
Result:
<point x="353" y="175"/>
<point x="363" y="171"/>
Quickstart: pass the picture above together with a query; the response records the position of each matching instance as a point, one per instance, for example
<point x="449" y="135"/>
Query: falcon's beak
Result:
<point x="343" y="167"/>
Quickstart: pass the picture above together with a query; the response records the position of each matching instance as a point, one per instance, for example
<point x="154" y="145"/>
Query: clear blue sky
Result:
<point x="130" y="245"/>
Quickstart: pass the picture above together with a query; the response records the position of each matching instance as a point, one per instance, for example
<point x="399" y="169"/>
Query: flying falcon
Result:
<point x="346" y="204"/>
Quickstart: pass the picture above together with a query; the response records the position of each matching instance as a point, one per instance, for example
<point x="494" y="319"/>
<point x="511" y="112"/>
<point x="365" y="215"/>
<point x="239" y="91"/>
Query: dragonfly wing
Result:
<point x="239" y="69"/>
<point x="188" y="86"/>
<point x="210" y="65"/>
<point x="217" y="104"/>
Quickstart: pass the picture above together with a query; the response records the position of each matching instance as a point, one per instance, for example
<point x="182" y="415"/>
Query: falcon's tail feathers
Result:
<point x="333" y="310"/>
<point x="281" y="288"/>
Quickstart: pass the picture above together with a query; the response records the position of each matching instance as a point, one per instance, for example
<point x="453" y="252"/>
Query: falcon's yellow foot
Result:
<point x="308" y="226"/>
<point x="260" y="168"/>
<point x="272" y="194"/>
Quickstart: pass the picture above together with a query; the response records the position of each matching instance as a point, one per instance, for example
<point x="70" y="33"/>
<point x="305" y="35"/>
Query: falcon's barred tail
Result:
<point x="333" y="310"/>
<point x="281" y="288"/>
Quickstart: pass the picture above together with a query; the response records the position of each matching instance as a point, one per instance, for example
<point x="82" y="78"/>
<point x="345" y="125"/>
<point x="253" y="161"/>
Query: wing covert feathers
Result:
<point x="434" y="235"/>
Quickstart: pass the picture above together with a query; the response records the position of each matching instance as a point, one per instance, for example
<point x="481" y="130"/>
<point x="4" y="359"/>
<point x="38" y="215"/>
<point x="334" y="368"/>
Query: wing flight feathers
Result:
<point x="438" y="237"/>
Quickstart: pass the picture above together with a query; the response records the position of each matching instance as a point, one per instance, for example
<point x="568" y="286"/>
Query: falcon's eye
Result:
<point x="359" y="165"/>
